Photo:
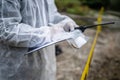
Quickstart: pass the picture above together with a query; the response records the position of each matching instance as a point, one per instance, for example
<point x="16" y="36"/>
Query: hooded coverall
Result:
<point x="20" y="27"/>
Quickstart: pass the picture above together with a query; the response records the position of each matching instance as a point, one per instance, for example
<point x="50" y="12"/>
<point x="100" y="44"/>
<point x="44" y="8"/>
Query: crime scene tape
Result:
<point x="99" y="29"/>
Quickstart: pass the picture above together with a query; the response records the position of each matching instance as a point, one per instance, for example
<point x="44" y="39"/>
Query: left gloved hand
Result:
<point x="69" y="26"/>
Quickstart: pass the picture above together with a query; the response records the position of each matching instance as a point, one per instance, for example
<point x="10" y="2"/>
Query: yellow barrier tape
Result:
<point x="87" y="66"/>
<point x="99" y="20"/>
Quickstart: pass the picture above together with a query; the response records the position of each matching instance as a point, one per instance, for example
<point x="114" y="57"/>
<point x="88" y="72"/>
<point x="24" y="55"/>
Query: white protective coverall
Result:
<point x="21" y="23"/>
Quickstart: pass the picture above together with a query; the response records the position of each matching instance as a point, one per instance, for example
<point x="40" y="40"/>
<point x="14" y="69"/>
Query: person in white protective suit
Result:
<point x="24" y="24"/>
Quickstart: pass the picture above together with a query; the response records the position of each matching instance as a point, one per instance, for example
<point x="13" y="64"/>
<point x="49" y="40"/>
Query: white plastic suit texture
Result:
<point x="23" y="24"/>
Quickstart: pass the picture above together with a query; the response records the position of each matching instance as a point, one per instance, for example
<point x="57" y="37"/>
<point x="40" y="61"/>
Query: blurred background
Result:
<point x="106" y="59"/>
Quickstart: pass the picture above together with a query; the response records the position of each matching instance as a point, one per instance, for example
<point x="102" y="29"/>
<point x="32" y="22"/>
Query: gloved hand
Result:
<point x="69" y="26"/>
<point x="58" y="33"/>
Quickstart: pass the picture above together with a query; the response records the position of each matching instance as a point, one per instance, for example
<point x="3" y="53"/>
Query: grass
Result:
<point x="72" y="6"/>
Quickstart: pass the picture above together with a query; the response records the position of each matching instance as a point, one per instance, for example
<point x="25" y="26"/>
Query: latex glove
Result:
<point x="65" y="25"/>
<point x="69" y="26"/>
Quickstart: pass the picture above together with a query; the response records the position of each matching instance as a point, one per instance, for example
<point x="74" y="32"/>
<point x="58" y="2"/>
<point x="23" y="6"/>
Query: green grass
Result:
<point x="72" y="6"/>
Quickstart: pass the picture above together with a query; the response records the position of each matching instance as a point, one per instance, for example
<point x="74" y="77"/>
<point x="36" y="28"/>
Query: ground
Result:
<point x="106" y="59"/>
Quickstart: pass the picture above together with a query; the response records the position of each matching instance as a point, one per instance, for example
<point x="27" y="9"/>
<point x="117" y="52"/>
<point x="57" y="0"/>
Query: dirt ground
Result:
<point x="105" y="63"/>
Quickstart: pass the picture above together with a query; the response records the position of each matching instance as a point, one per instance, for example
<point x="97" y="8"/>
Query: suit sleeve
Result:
<point x="15" y="33"/>
<point x="55" y="16"/>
